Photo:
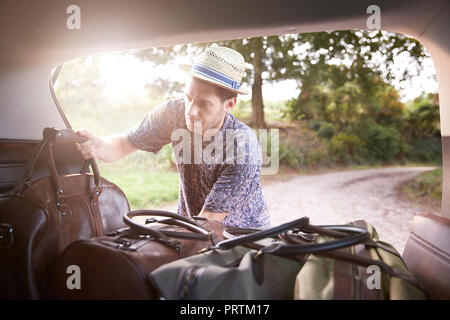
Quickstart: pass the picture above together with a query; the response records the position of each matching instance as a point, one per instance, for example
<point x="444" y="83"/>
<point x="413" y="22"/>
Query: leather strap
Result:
<point x="198" y="233"/>
<point x="363" y="261"/>
<point x="55" y="136"/>
<point x="343" y="279"/>
<point x="96" y="214"/>
<point x="355" y="235"/>
<point x="26" y="180"/>
<point x="261" y="234"/>
<point x="365" y="293"/>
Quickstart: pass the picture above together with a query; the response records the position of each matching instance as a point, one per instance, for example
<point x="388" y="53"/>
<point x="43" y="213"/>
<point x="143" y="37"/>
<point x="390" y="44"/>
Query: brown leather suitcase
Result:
<point x="41" y="218"/>
<point x="427" y="254"/>
<point x="118" y="266"/>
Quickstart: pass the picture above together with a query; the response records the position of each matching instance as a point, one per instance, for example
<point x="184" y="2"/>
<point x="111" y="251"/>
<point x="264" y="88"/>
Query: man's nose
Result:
<point x="193" y="111"/>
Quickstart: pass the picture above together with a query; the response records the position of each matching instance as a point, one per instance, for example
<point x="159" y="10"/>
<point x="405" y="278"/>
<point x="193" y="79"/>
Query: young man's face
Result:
<point x="204" y="106"/>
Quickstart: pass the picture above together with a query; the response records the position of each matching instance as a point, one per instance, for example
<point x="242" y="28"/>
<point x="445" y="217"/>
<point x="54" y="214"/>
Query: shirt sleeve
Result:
<point x="155" y="130"/>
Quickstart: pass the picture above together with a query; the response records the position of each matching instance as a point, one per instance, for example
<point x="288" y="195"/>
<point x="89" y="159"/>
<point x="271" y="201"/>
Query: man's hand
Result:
<point x="107" y="149"/>
<point x="217" y="216"/>
<point x="92" y="147"/>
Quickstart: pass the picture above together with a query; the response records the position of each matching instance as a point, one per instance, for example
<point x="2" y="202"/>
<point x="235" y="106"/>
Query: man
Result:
<point x="227" y="189"/>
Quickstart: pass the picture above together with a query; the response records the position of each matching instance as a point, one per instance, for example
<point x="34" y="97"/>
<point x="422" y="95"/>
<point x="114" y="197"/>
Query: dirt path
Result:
<point x="340" y="197"/>
<point x="344" y="196"/>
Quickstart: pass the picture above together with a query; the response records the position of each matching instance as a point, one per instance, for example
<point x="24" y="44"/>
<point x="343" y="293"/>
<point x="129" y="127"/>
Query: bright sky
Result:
<point x="126" y="76"/>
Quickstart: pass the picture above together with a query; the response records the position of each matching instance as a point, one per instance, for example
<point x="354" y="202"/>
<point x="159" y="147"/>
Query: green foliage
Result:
<point x="242" y="110"/>
<point x="428" y="184"/>
<point x="367" y="54"/>
<point x="423" y="117"/>
<point x="425" y="150"/>
<point x="300" y="148"/>
<point x="345" y="149"/>
<point x="381" y="143"/>
<point x="324" y="129"/>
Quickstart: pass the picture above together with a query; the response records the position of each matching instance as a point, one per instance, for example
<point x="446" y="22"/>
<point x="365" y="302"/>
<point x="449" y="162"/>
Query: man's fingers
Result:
<point x="89" y="148"/>
<point x="84" y="133"/>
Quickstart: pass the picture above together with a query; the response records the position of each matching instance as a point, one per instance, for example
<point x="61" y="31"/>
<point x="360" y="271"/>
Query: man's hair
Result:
<point x="223" y="93"/>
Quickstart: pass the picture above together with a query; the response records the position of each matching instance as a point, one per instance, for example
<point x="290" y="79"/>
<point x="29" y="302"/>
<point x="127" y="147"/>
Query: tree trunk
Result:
<point x="257" y="99"/>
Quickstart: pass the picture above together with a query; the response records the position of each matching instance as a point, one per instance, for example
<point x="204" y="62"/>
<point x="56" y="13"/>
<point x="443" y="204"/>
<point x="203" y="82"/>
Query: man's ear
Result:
<point x="230" y="103"/>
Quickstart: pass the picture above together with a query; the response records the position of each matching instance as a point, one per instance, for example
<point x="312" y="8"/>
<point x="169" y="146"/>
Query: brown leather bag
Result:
<point x="118" y="266"/>
<point x="43" y="217"/>
<point x="427" y="254"/>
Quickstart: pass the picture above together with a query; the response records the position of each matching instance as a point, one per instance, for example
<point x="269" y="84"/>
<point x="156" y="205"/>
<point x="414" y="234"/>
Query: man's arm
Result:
<point x="236" y="197"/>
<point x="107" y="149"/>
<point x="151" y="134"/>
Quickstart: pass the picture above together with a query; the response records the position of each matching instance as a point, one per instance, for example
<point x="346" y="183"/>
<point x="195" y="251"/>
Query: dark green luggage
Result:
<point x="230" y="274"/>
<point x="370" y="271"/>
<point x="243" y="267"/>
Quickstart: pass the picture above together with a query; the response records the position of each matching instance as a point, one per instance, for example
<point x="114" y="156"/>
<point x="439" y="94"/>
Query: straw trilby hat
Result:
<point x="221" y="66"/>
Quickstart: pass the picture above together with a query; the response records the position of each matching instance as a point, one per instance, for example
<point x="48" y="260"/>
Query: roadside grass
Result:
<point x="145" y="184"/>
<point x="424" y="191"/>
<point x="426" y="185"/>
<point x="368" y="166"/>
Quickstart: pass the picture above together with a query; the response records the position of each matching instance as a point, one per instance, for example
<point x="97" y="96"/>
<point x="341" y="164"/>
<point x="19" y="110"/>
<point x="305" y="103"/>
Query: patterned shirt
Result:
<point x="218" y="175"/>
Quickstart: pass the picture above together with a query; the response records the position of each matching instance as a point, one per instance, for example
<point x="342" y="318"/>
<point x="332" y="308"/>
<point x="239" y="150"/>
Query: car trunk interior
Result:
<point x="115" y="25"/>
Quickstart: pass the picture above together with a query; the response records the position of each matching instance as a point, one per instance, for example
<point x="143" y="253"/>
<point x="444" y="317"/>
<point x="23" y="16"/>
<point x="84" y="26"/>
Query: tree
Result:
<point x="341" y="56"/>
<point x="164" y="55"/>
<point x="423" y="117"/>
<point x="261" y="53"/>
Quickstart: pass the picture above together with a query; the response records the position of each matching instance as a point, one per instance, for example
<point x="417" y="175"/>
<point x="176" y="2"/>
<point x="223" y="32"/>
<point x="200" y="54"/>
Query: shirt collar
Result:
<point x="226" y="123"/>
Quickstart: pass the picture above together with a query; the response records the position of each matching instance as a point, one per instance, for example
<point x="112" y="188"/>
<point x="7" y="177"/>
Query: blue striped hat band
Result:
<point x="216" y="76"/>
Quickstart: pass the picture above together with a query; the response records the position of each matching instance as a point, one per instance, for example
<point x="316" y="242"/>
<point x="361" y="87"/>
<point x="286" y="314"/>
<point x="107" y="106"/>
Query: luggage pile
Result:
<point x="75" y="238"/>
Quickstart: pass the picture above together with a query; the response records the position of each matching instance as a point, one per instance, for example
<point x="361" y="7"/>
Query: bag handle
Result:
<point x="55" y="175"/>
<point x="258" y="235"/>
<point x="359" y="260"/>
<point x="198" y="233"/>
<point x="355" y="235"/>
<point x="57" y="136"/>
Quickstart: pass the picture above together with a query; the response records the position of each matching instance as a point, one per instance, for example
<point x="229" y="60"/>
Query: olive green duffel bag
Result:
<point x="238" y="273"/>
<point x="256" y="264"/>
<point x="231" y="270"/>
<point x="370" y="271"/>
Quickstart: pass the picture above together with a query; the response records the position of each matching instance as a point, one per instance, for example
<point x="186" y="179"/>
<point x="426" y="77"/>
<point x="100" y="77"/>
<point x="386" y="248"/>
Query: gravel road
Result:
<point x="344" y="196"/>
<point x="341" y="197"/>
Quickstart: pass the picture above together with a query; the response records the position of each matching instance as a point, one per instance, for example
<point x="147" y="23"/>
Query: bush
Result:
<point x="425" y="149"/>
<point x="381" y="143"/>
<point x="345" y="148"/>
<point x="428" y="184"/>
<point x="300" y="148"/>
<point x="326" y="130"/>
